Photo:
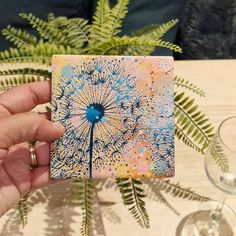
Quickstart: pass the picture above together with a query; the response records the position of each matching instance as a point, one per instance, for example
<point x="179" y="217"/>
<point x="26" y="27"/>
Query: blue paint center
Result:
<point x="94" y="113"/>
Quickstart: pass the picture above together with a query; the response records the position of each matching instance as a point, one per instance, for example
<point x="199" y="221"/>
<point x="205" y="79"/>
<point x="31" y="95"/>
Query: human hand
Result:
<point x="18" y="126"/>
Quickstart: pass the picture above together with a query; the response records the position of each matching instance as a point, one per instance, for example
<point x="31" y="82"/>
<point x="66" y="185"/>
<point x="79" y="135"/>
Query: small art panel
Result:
<point x="118" y="115"/>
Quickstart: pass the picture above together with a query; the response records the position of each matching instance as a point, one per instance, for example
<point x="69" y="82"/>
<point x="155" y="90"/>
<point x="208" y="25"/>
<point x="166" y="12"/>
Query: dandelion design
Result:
<point x="118" y="116"/>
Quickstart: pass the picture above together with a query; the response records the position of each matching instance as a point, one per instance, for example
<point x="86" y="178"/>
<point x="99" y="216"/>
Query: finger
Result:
<point x="46" y="115"/>
<point x="25" y="97"/>
<point x="27" y="127"/>
<point x="41" y="178"/>
<point x="42" y="151"/>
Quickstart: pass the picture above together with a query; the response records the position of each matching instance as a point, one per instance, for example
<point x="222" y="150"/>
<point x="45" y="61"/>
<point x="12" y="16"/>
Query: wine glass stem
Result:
<point x="216" y="215"/>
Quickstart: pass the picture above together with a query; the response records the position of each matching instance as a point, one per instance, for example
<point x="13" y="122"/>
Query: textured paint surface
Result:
<point x="118" y="116"/>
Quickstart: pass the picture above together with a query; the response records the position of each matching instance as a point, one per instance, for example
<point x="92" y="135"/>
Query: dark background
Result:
<point x="207" y="28"/>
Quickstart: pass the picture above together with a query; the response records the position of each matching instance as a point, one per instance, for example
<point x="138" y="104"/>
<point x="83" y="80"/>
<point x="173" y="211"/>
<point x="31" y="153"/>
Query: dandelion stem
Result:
<point x="91" y="150"/>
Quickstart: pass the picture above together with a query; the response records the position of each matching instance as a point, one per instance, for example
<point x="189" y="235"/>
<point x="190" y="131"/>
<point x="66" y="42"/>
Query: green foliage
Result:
<point x="18" y="37"/>
<point x="22" y="209"/>
<point x="191" y="125"/>
<point x="60" y="35"/>
<point x="60" y="30"/>
<point x="8" y="83"/>
<point x="84" y="194"/>
<point x="107" y="22"/>
<point x="151" y="32"/>
<point x="182" y="83"/>
<point x="177" y="191"/>
<point x="218" y="154"/>
<point x="100" y="19"/>
<point x="132" y="194"/>
<point x="38" y="24"/>
<point x="108" y="48"/>
<point x="41" y="53"/>
<point x="26" y="71"/>
<point x="13" y="77"/>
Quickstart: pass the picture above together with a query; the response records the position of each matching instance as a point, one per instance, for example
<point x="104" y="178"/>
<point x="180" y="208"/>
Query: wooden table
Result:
<point x="218" y="79"/>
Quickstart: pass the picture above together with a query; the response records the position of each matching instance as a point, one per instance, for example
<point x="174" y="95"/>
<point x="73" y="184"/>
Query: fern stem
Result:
<point x="137" y="204"/>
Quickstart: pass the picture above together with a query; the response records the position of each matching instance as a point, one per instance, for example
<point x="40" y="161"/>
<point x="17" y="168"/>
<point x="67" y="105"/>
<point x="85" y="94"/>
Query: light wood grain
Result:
<point x="218" y="79"/>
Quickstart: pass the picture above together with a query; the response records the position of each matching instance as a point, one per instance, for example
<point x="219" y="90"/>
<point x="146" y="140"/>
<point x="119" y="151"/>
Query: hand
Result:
<point x="18" y="126"/>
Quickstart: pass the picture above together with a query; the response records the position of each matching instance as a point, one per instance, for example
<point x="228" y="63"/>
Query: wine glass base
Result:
<point x="200" y="222"/>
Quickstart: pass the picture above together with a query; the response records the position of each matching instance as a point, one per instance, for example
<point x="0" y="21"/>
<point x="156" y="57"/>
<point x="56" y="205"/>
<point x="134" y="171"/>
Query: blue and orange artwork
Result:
<point x="118" y="115"/>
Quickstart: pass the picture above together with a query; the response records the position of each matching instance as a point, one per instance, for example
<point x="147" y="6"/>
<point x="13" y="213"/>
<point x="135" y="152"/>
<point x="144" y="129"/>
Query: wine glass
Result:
<point x="214" y="218"/>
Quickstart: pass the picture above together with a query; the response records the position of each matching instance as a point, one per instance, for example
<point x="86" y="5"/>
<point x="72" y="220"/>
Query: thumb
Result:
<point x="27" y="127"/>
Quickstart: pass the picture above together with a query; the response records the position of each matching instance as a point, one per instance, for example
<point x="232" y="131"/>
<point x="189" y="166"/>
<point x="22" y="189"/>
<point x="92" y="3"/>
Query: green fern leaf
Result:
<point x="185" y="139"/>
<point x="109" y="47"/>
<point x="177" y="191"/>
<point x="69" y="32"/>
<point x="18" y="37"/>
<point x="191" y="125"/>
<point x="132" y="195"/>
<point x="117" y="15"/>
<point x="51" y="17"/>
<point x="100" y="18"/>
<point x="10" y="82"/>
<point x="152" y="32"/>
<point x="40" y="25"/>
<point x="145" y="30"/>
<point x="41" y="53"/>
<point x="107" y="22"/>
<point x="22" y="209"/>
<point x="218" y="154"/>
<point x="26" y="71"/>
<point x="182" y="83"/>
<point x="84" y="194"/>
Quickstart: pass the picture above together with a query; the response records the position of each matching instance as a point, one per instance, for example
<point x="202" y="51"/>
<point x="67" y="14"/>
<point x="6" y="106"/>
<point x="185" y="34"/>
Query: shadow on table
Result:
<point x="186" y="226"/>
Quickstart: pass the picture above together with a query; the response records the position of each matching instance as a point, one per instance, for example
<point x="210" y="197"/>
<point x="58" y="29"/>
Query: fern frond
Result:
<point x="218" y="154"/>
<point x="22" y="209"/>
<point x="108" y="47"/>
<point x="117" y="15"/>
<point x="186" y="140"/>
<point x="163" y="29"/>
<point x="18" y="37"/>
<point x="145" y="30"/>
<point x="132" y="194"/>
<point x="8" y="83"/>
<point x="73" y="32"/>
<point x="107" y="22"/>
<point x="152" y="32"/>
<point x="51" y="16"/>
<point x="182" y="83"/>
<point x="100" y="18"/>
<point x="177" y="191"/>
<point x="191" y="124"/>
<point x="41" y="53"/>
<point x="84" y="194"/>
<point x="40" y="25"/>
<point x="26" y="71"/>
